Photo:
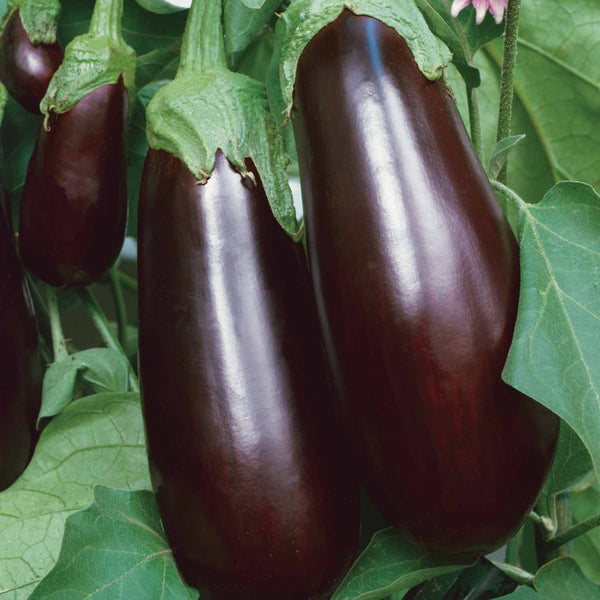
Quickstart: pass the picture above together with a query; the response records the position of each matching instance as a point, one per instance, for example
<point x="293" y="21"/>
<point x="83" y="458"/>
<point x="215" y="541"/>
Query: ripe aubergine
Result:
<point x="416" y="276"/>
<point x="246" y="462"/>
<point x="74" y="208"/>
<point x="20" y="367"/>
<point x="26" y="68"/>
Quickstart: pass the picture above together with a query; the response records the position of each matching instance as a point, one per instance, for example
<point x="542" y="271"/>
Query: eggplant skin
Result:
<point x="20" y="366"/>
<point x="416" y="277"/>
<point x="74" y="208"/>
<point x="251" y="476"/>
<point x="26" y="69"/>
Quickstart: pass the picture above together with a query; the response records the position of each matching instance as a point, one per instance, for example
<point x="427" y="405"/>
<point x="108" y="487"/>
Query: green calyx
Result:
<point x="305" y="18"/>
<point x="97" y="58"/>
<point x="207" y="108"/>
<point x="39" y="18"/>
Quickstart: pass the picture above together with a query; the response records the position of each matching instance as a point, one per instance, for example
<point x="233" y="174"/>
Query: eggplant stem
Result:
<point x="59" y="346"/>
<point x="121" y="309"/>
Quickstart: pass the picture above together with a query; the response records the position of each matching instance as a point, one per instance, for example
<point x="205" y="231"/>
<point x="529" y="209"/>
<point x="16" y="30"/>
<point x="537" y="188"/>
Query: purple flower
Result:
<point x="496" y="7"/>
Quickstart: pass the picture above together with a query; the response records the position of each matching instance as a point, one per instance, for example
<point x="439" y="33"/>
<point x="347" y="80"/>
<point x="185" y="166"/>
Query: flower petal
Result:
<point x="481" y="7"/>
<point x="457" y="6"/>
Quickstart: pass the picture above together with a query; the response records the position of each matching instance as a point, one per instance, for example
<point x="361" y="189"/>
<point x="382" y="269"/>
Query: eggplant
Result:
<point x="254" y="489"/>
<point x="74" y="207"/>
<point x="26" y="68"/>
<point x="21" y="369"/>
<point x="416" y="275"/>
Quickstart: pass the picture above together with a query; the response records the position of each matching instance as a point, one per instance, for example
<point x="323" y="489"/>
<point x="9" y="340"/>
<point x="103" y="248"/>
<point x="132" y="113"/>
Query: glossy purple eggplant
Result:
<point x="26" y="68"/>
<point x="416" y="274"/>
<point x="74" y="208"/>
<point x="247" y="464"/>
<point x="20" y="367"/>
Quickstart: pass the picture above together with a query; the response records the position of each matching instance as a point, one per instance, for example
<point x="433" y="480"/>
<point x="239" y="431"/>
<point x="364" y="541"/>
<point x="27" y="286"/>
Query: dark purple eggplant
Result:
<point x="251" y="483"/>
<point x="26" y="68"/>
<point x="20" y="367"/>
<point x="74" y="208"/>
<point x="416" y="274"/>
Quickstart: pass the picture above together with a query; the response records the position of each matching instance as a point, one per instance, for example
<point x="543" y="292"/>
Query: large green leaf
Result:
<point x="586" y="548"/>
<point x="97" y="440"/>
<point x="242" y="22"/>
<point x="557" y="102"/>
<point x="554" y="357"/>
<point x="116" y="548"/>
<point x="390" y="564"/>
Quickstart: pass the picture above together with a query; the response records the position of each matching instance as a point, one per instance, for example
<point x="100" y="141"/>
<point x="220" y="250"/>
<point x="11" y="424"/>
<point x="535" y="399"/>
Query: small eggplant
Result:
<point x="74" y="208"/>
<point x="26" y="68"/>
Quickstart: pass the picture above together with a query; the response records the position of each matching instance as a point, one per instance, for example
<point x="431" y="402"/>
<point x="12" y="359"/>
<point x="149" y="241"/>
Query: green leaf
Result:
<point x="198" y="114"/>
<point x="554" y="357"/>
<point x="572" y="463"/>
<point x="557" y="102"/>
<point x="305" y="18"/>
<point x="105" y="370"/>
<point x="98" y="440"/>
<point x="116" y="548"/>
<point x="560" y="579"/>
<point x="500" y="153"/>
<point x="243" y="19"/>
<point x="160" y="64"/>
<point x="586" y="548"/>
<point x="482" y="580"/>
<point x="390" y="564"/>
<point x="17" y="138"/>
<point x="434" y="589"/>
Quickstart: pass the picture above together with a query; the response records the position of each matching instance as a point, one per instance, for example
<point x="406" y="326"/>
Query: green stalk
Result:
<point x="511" y="40"/>
<point x="570" y="534"/>
<point x="106" y="19"/>
<point x="519" y="575"/>
<point x="121" y="309"/>
<point x="129" y="283"/>
<point x="101" y="322"/>
<point x="203" y="48"/>
<point x="475" y="122"/>
<point x="59" y="346"/>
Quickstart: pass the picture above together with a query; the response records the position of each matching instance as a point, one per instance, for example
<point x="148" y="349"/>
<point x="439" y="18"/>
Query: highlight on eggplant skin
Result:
<point x="74" y="208"/>
<point x="254" y="489"/>
<point x="25" y="68"/>
<point x="416" y="275"/>
<point x="20" y="366"/>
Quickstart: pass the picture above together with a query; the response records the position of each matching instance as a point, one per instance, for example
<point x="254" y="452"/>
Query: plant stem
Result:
<point x="475" y="122"/>
<point x="129" y="283"/>
<point x="121" y="309"/>
<point x="564" y="521"/>
<point x="103" y="327"/>
<point x="203" y="48"/>
<point x="511" y="40"/>
<point x="41" y="314"/>
<point x="59" y="346"/>
<point x="519" y="575"/>
<point x="570" y="534"/>
<point x="106" y="19"/>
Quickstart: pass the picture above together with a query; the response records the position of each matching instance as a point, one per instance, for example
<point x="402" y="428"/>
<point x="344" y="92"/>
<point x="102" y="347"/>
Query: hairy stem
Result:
<point x="511" y="38"/>
<point x="475" y="122"/>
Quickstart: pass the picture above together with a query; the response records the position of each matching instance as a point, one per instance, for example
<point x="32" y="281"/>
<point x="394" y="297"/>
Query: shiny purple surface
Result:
<point x="26" y="69"/>
<point x="74" y="208"/>
<point x="416" y="275"/>
<point x="20" y="367"/>
<point x="249" y="469"/>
